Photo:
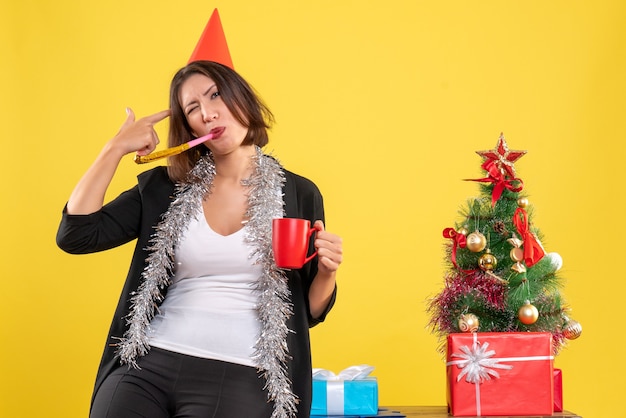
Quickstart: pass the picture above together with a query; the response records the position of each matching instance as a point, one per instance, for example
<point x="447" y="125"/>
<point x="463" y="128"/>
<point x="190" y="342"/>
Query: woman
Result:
<point x="205" y="312"/>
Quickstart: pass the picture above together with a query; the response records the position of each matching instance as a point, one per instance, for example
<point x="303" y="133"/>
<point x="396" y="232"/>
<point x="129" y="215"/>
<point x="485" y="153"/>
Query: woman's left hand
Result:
<point x="329" y="249"/>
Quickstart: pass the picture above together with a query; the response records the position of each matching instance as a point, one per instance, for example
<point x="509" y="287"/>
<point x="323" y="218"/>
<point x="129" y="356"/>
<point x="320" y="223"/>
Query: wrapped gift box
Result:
<point x="500" y="373"/>
<point x="558" y="390"/>
<point x="351" y="392"/>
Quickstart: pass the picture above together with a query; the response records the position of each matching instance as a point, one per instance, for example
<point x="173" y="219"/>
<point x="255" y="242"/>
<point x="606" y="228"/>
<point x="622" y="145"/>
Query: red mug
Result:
<point x="290" y="242"/>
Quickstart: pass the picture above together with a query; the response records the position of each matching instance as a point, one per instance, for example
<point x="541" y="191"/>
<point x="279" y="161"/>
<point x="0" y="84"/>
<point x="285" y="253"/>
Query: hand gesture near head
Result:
<point x="138" y="135"/>
<point x="134" y="136"/>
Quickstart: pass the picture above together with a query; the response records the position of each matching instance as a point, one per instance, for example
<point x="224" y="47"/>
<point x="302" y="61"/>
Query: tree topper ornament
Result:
<point x="501" y="157"/>
<point x="499" y="167"/>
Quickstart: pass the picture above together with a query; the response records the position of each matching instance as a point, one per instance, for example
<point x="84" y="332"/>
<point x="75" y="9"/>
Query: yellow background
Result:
<point x="383" y="104"/>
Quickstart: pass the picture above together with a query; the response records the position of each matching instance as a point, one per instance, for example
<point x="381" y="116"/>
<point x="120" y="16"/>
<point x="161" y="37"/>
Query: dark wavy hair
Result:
<point x="238" y="96"/>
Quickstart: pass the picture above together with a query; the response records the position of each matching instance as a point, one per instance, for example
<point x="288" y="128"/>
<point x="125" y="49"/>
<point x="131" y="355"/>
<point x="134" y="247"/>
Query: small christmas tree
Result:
<point x="499" y="277"/>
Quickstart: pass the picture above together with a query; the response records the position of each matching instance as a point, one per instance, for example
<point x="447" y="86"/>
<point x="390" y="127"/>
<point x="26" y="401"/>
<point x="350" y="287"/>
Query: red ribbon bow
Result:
<point x="499" y="180"/>
<point x="533" y="251"/>
<point x="458" y="240"/>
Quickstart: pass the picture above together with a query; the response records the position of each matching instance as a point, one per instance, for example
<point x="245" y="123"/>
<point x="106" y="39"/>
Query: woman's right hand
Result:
<point x="138" y="135"/>
<point x="134" y="136"/>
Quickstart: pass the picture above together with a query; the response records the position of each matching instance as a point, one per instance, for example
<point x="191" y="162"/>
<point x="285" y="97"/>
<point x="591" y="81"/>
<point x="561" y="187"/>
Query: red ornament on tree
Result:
<point x="502" y="157"/>
<point x="499" y="166"/>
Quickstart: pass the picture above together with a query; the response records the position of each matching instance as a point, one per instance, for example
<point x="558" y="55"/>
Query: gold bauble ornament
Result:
<point x="476" y="242"/>
<point x="528" y="314"/>
<point x="468" y="323"/>
<point x="522" y="202"/>
<point x="572" y="329"/>
<point x="463" y="231"/>
<point x="487" y="261"/>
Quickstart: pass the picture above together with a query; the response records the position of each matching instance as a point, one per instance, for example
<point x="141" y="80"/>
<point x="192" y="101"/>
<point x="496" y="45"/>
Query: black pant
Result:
<point x="172" y="385"/>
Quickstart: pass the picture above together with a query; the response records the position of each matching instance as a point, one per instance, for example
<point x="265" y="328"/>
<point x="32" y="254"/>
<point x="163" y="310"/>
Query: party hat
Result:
<point x="212" y="45"/>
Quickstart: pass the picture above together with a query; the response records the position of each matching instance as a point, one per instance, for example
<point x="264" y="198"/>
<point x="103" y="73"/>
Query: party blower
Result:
<point x="157" y="155"/>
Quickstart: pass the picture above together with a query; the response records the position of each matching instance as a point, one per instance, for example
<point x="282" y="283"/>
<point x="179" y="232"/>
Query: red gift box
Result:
<point x="558" y="390"/>
<point x="500" y="373"/>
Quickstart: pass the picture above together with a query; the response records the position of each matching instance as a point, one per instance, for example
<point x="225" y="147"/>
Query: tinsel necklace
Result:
<point x="265" y="202"/>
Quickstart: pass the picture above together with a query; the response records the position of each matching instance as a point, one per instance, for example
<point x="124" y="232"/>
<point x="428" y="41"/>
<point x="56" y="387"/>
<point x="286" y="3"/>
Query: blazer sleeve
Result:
<point x="304" y="200"/>
<point x="118" y="222"/>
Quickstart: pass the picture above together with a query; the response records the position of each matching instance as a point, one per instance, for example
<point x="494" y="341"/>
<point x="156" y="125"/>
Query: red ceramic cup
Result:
<point x="290" y="242"/>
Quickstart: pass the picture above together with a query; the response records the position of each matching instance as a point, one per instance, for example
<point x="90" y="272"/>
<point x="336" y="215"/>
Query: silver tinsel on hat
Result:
<point x="265" y="202"/>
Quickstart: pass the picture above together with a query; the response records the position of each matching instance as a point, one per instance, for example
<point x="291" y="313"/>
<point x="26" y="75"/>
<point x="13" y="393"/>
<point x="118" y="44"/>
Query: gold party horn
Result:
<point x="157" y="155"/>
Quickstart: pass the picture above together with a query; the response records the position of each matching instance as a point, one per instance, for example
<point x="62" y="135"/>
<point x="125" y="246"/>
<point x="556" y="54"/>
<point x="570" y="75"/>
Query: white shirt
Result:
<point x="210" y="307"/>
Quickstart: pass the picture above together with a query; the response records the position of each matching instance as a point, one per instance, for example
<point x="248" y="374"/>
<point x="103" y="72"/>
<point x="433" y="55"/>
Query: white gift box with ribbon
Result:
<point x="350" y="392"/>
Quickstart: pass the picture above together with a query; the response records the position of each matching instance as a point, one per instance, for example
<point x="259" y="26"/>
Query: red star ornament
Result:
<point x="502" y="157"/>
